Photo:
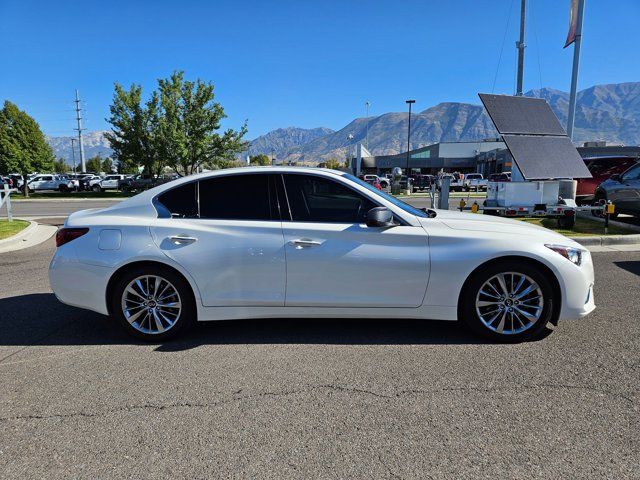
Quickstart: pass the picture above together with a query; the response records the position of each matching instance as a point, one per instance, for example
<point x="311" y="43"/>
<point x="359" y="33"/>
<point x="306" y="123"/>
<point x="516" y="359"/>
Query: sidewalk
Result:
<point x="31" y="236"/>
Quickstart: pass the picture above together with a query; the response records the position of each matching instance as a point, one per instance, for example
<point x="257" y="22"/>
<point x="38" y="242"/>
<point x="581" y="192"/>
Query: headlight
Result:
<point x="574" y="255"/>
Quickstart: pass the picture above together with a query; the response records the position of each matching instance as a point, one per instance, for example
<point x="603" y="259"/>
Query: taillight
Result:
<point x="65" y="235"/>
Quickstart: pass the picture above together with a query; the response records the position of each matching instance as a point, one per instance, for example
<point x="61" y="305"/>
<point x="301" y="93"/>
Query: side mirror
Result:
<point x="380" y="217"/>
<point x="616" y="177"/>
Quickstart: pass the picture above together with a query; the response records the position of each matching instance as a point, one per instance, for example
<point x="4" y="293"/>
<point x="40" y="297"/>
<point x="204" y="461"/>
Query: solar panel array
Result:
<point x="537" y="142"/>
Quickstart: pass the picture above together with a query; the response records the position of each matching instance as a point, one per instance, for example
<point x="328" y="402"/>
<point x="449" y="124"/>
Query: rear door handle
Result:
<point x="182" y="239"/>
<point x="304" y="243"/>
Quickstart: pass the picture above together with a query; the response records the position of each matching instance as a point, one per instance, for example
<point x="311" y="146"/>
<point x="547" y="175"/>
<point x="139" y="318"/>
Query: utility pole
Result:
<point x="366" y="141"/>
<point x="409" y="102"/>
<point x="73" y="154"/>
<point x="80" y="129"/>
<point x="520" y="45"/>
<point x="574" y="73"/>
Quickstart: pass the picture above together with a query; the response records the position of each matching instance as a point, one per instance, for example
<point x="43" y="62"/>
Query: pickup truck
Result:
<point x="475" y="181"/>
<point x="51" y="182"/>
<point x="456" y="182"/>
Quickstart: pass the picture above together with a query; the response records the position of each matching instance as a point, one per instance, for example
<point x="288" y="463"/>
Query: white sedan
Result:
<point x="268" y="242"/>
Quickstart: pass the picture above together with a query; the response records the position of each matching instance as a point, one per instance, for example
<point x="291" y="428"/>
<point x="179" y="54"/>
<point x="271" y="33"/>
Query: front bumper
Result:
<point x="576" y="284"/>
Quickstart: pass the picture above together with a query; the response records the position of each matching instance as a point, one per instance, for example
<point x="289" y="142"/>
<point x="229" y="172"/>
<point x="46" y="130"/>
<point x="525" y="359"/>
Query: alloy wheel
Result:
<point x="509" y="303"/>
<point x="151" y="304"/>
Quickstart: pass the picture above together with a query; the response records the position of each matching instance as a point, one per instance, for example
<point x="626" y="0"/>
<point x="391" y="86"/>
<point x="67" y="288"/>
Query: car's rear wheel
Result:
<point x="152" y="303"/>
<point x="508" y="301"/>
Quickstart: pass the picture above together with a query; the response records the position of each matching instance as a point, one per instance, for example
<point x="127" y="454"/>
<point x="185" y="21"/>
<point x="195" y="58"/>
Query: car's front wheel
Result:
<point x="97" y="188"/>
<point x="152" y="303"/>
<point x="508" y="301"/>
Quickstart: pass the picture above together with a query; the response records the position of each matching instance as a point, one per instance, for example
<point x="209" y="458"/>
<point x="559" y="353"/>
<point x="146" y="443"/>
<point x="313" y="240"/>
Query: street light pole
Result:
<point x="73" y="154"/>
<point x="520" y="45"/>
<point x="367" y="104"/>
<point x="350" y="158"/>
<point x="410" y="102"/>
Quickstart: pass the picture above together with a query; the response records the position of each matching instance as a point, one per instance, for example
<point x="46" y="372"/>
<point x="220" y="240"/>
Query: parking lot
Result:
<point x="314" y="398"/>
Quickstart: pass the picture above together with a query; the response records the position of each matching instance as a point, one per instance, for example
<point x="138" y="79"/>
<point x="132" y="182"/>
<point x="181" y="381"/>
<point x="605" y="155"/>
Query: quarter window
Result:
<point x="317" y="199"/>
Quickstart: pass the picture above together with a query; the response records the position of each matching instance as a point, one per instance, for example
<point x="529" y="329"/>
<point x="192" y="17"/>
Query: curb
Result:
<point x="18" y="237"/>
<point x="608" y="240"/>
<point x="33" y="235"/>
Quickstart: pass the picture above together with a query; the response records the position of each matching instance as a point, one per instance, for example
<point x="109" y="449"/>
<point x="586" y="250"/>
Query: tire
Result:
<point x="523" y="328"/>
<point x="566" y="222"/>
<point x="96" y="188"/>
<point x="63" y="188"/>
<point x="144" y="326"/>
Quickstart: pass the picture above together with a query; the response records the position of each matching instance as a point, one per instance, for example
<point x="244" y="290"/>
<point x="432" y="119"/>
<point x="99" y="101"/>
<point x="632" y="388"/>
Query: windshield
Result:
<point x="398" y="203"/>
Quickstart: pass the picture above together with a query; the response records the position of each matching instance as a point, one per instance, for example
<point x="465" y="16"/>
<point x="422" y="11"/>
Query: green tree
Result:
<point x="94" y="164"/>
<point x="107" y="165"/>
<point x="23" y="148"/>
<point x="334" y="164"/>
<point x="177" y="127"/>
<point x="260" y="159"/>
<point x="60" y="166"/>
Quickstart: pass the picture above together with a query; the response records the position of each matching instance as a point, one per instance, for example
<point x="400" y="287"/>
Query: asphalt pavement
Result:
<point x="315" y="398"/>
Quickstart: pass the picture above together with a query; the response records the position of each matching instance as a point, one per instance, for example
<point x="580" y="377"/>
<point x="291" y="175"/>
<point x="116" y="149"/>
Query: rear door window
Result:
<point x="236" y="197"/>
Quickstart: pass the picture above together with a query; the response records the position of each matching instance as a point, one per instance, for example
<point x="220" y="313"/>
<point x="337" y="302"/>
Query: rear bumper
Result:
<point x="79" y="284"/>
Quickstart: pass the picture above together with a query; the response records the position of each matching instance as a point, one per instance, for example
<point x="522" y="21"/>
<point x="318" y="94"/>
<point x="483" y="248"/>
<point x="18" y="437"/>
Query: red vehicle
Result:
<point x="601" y="168"/>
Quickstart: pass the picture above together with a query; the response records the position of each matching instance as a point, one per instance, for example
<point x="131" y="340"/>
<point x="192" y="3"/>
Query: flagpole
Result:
<point x="574" y="74"/>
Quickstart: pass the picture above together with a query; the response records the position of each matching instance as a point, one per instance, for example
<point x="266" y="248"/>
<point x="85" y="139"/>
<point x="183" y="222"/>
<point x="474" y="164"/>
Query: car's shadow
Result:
<point x="629" y="266"/>
<point x="40" y="319"/>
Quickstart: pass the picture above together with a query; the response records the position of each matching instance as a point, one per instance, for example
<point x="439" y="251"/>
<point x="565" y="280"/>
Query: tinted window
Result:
<point x="235" y="197"/>
<point x="317" y="199"/>
<point x="181" y="201"/>
<point x="632" y="174"/>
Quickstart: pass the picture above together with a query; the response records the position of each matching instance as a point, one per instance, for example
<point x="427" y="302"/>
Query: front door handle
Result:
<point x="182" y="239"/>
<point x="304" y="243"/>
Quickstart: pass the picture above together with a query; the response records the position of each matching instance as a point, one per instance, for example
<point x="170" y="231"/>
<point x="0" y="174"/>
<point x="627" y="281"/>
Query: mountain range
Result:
<point x="604" y="112"/>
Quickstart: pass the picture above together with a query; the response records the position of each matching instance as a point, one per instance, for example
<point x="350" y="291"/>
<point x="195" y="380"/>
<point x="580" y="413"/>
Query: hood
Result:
<point x="492" y="224"/>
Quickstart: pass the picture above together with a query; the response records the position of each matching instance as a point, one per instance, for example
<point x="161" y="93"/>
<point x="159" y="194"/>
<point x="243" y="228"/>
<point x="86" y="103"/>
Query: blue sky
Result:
<point x="299" y="63"/>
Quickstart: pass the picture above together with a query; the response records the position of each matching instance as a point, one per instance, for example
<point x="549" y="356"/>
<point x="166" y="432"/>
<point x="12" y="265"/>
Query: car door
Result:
<point x="335" y="260"/>
<point x="226" y="233"/>
<point x="109" y="182"/>
<point x="627" y="192"/>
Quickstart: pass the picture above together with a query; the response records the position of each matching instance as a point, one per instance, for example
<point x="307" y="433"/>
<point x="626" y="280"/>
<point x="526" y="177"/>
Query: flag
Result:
<point x="573" y="22"/>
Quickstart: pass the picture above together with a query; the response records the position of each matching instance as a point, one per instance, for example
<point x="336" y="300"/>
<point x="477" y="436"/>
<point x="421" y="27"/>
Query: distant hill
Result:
<point x="94" y="144"/>
<point x="278" y="142"/>
<point x="604" y="112"/>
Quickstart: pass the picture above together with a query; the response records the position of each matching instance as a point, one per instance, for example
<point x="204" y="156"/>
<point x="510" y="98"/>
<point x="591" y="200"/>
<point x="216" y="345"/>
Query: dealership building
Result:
<point x="486" y="157"/>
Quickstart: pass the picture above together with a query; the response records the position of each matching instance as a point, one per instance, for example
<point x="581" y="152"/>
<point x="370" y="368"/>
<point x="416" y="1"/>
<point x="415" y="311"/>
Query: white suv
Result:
<point x="110" y="182"/>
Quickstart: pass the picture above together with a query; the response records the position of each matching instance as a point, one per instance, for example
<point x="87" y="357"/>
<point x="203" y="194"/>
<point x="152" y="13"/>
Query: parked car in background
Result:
<point x="50" y="182"/>
<point x="623" y="190"/>
<point x="373" y="180"/>
<point x="110" y="182"/>
<point x="422" y="182"/>
<point x="384" y="183"/>
<point x="475" y="181"/>
<point x="86" y="180"/>
<point x="5" y="181"/>
<point x="201" y="248"/>
<point x="601" y="169"/>
<point x="456" y="181"/>
<point x="500" y="177"/>
<point x="143" y="182"/>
